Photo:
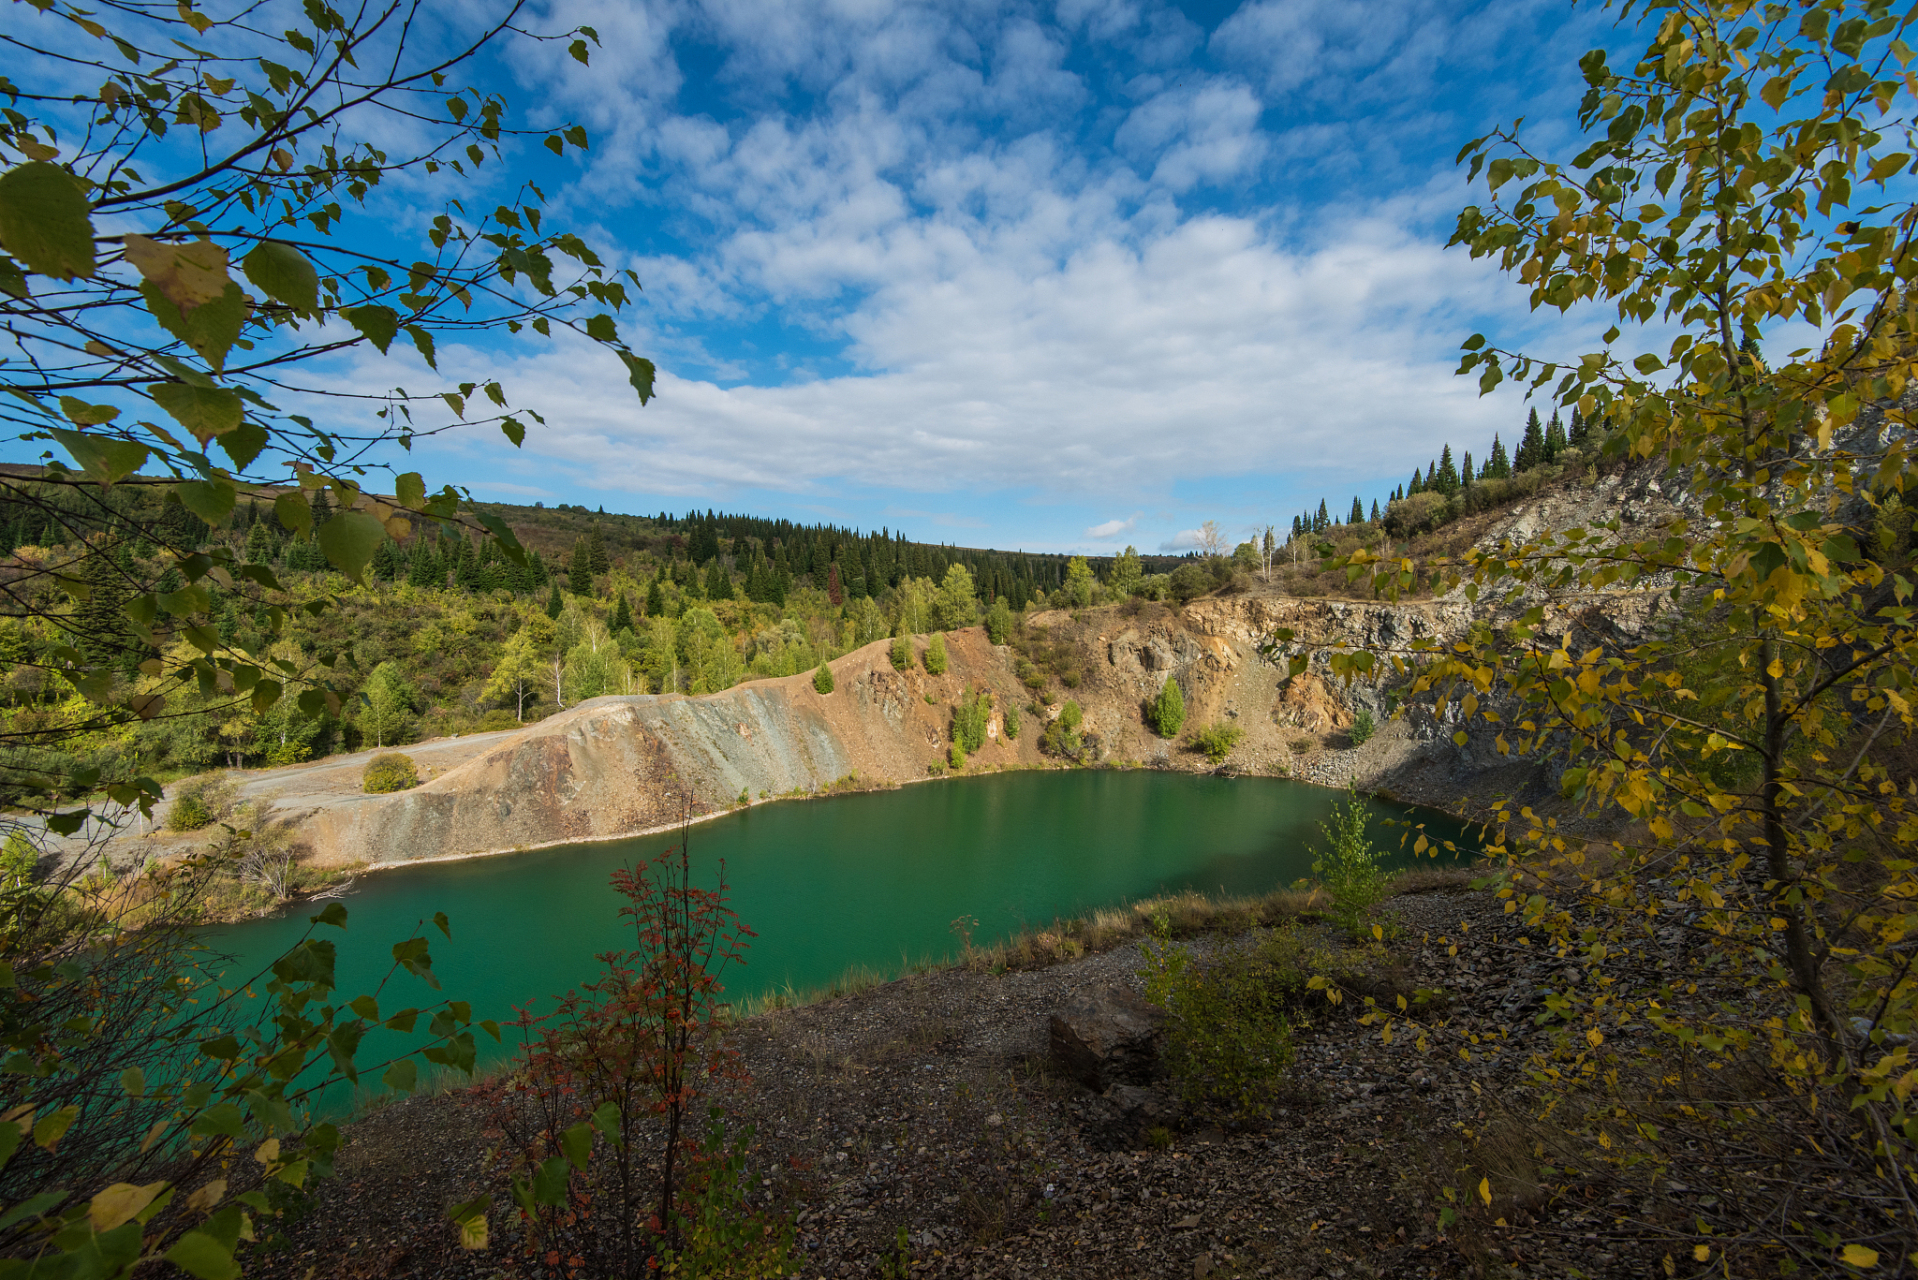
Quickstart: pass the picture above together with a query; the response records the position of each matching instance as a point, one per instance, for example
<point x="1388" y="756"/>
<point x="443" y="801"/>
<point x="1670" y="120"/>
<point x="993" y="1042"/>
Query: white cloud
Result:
<point x="1111" y="529"/>
<point x="1183" y="540"/>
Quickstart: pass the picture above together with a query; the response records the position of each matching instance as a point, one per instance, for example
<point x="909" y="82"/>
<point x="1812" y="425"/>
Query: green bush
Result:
<point x="1189" y="581"/>
<point x="389" y="772"/>
<point x="901" y="653"/>
<point x="1062" y="734"/>
<point x="1012" y="723"/>
<point x="1349" y="866"/>
<point x="936" y="654"/>
<point x="999" y="621"/>
<point x="1217" y="741"/>
<point x="957" y="757"/>
<point x="188" y="813"/>
<point x="19" y="861"/>
<point x="1363" y="726"/>
<point x="822" y="679"/>
<point x="969" y="721"/>
<point x="199" y="802"/>
<point x="1168" y="710"/>
<point x="1229" y="1040"/>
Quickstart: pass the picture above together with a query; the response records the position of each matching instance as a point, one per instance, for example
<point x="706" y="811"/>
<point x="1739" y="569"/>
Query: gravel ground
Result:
<point x="929" y="1104"/>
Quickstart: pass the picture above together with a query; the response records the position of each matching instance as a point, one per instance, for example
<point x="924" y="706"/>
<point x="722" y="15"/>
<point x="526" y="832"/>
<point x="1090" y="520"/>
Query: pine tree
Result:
<point x="1323" y="520"/>
<point x="596" y="550"/>
<point x="1296" y="530"/>
<point x="622" y="616"/>
<point x="1375" y="511"/>
<point x="1467" y="477"/>
<point x="1445" y="479"/>
<point x="1417" y="486"/>
<point x="425" y="570"/>
<point x="655" y="600"/>
<point x="1554" y="439"/>
<point x="1531" y="450"/>
<point x="554" y="605"/>
<point x="1358" y="512"/>
<point x="719" y="583"/>
<point x="579" y="578"/>
<point x="103" y="635"/>
<point x="322" y="507"/>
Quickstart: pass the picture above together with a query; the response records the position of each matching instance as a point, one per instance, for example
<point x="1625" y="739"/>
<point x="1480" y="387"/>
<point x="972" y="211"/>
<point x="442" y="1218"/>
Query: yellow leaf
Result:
<point x="188" y="275"/>
<point x="1857" y="1255"/>
<point x="268" y="1151"/>
<point x="1595" y="1037"/>
<point x="1701" y="1253"/>
<point x="1485" y="1191"/>
<point x="207" y="1196"/>
<point x="119" y="1203"/>
<point x="473" y="1232"/>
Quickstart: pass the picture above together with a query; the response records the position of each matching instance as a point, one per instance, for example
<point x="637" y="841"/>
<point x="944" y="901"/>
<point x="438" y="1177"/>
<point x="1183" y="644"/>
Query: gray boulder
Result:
<point x="1106" y="1037"/>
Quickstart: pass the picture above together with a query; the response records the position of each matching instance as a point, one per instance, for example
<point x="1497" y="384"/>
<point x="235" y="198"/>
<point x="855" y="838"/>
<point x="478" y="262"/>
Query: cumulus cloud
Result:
<point x="1111" y="529"/>
<point x="1183" y="540"/>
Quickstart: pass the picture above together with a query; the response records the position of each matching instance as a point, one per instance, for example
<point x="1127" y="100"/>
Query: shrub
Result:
<point x="957" y="757"/>
<point x="1168" y="710"/>
<point x="936" y="654"/>
<point x="1229" y="1040"/>
<point x="1188" y="581"/>
<point x="199" y="802"/>
<point x="1349" y="866"/>
<point x="969" y="721"/>
<point x="19" y="861"/>
<point x="1418" y="513"/>
<point x="822" y="679"/>
<point x="1217" y="741"/>
<point x="389" y="772"/>
<point x="1062" y="734"/>
<point x="901" y="654"/>
<point x="1012" y="723"/>
<point x="1363" y="726"/>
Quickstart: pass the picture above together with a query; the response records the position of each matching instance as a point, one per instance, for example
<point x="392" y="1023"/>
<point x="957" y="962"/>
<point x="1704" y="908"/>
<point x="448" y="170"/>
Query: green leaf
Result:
<point x="82" y="414"/>
<point x="9" y="1140"/>
<point x="409" y="490"/>
<point x="211" y="500"/>
<point x="424" y="342"/>
<point x="211" y="328"/>
<point x="33" y="1207"/>
<point x="283" y="274"/>
<point x="549" y="1184"/>
<point x="54" y="1127"/>
<point x="205" y="411"/>
<point x="292" y="512"/>
<point x="640" y="372"/>
<point x="45" y="220"/>
<point x="576" y="1144"/>
<point x="12" y="282"/>
<point x="601" y="328"/>
<point x="401" y="1076"/>
<point x="349" y="540"/>
<point x="333" y="913"/>
<point x="199" y="1254"/>
<point x="103" y="458"/>
<point x="378" y="324"/>
<point x="243" y="443"/>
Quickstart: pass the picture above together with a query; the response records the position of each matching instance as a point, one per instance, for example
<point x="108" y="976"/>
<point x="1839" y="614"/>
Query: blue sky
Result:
<point x="1060" y="276"/>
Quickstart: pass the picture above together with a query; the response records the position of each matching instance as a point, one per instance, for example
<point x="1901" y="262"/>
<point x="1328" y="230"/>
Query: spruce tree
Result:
<point x="1466" y="475"/>
<point x="719" y="583"/>
<point x="655" y="600"/>
<point x="1296" y="531"/>
<point x="1358" y="512"/>
<point x="622" y="615"/>
<point x="102" y="627"/>
<point x="596" y="550"/>
<point x="1445" y="479"/>
<point x="554" y="605"/>
<point x="1498" y="467"/>
<point x="1375" y="511"/>
<point x="1531" y="450"/>
<point x="1323" y="520"/>
<point x="425" y="570"/>
<point x="322" y="507"/>
<point x="1581" y="431"/>
<point x="579" y="578"/>
<point x="1554" y="439"/>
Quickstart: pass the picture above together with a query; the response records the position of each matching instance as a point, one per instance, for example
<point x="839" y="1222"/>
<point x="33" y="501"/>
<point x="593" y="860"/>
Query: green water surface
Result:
<point x="873" y="880"/>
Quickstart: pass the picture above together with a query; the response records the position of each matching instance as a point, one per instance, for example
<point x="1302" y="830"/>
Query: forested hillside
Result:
<point x="449" y="634"/>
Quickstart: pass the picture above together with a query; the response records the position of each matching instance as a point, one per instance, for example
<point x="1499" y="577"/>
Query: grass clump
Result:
<point x="1217" y="741"/>
<point x="1229" y="1040"/>
<point x="389" y="772"/>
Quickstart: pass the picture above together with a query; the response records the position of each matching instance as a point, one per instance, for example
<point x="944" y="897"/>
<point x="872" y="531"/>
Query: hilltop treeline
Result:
<point x="449" y="633"/>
